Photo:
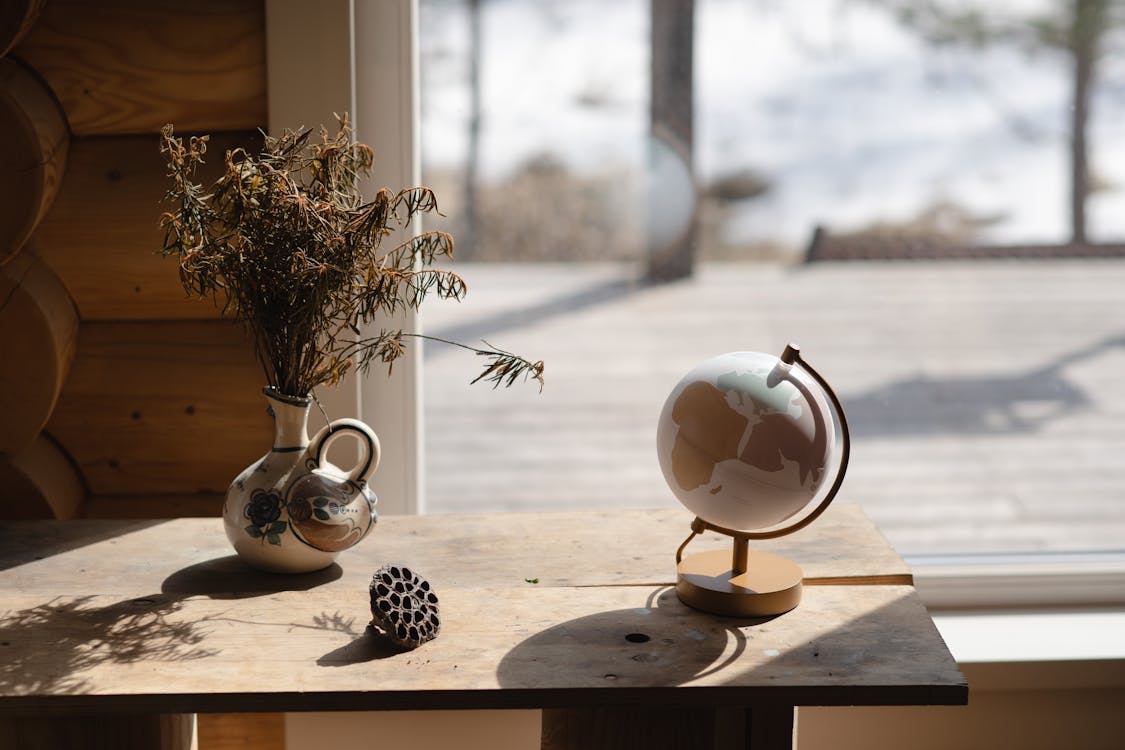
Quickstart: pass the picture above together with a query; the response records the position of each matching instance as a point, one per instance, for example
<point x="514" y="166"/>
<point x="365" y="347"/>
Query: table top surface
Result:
<point x="160" y="616"/>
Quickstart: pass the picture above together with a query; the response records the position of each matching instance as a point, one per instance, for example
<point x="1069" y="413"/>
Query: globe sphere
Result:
<point x="745" y="441"/>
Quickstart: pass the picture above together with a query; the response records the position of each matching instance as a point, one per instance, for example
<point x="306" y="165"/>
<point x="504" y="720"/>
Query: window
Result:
<point x="982" y="391"/>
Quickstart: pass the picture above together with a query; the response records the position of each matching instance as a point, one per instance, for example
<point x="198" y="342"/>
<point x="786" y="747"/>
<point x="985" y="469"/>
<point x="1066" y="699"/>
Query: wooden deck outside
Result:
<point x="986" y="397"/>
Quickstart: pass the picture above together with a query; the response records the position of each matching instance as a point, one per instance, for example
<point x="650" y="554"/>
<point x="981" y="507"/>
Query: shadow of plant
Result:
<point x="334" y="622"/>
<point x="84" y="636"/>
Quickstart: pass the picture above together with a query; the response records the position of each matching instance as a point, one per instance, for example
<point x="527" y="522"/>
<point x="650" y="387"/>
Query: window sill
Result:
<point x="1040" y="581"/>
<point x="1036" y="637"/>
<point x="1030" y="619"/>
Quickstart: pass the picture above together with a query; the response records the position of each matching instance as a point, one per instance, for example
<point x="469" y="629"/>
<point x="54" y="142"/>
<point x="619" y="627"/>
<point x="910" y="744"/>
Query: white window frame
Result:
<point x="361" y="57"/>
<point x="1030" y="580"/>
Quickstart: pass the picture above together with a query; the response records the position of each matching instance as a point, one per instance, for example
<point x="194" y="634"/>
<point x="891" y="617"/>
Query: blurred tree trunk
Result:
<point x="470" y="235"/>
<point x="1086" y="29"/>
<point x="671" y="110"/>
<point x="1078" y="28"/>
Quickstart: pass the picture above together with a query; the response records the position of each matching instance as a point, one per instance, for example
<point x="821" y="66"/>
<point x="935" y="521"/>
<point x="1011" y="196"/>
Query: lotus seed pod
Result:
<point x="404" y="606"/>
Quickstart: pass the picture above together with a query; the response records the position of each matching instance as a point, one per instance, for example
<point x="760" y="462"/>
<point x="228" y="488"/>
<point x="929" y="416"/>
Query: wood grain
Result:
<point x="711" y="727"/>
<point x="151" y="616"/>
<point x="162" y="407"/>
<point x="617" y="547"/>
<point x="499" y="648"/>
<point x="241" y="731"/>
<point x="166" y="505"/>
<point x="130" y="66"/>
<point x="136" y="732"/>
<point x="32" y="154"/>
<point x="103" y="234"/>
<point x="40" y="482"/>
<point x="632" y="728"/>
<point x="16" y="19"/>
<point x="38" y="328"/>
<point x="453" y="551"/>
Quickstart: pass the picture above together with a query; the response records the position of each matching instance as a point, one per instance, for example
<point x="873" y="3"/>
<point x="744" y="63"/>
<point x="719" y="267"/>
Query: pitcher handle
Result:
<point x="368" y="441"/>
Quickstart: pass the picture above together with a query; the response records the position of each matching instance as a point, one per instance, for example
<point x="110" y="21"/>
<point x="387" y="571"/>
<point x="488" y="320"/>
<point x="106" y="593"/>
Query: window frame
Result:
<point x="362" y="58"/>
<point x="1027" y="580"/>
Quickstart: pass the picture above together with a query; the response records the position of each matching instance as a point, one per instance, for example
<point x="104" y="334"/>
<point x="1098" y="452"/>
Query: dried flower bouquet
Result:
<point x="286" y="242"/>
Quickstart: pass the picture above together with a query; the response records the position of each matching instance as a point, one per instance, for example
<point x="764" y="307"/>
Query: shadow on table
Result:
<point x="868" y="645"/>
<point x="855" y="645"/>
<point x="86" y="635"/>
<point x="662" y="644"/>
<point x="23" y="542"/>
<point x="368" y="646"/>
<point x="228" y="577"/>
<point x="90" y="631"/>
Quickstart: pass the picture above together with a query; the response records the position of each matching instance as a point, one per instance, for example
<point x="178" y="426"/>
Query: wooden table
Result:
<point x="107" y="624"/>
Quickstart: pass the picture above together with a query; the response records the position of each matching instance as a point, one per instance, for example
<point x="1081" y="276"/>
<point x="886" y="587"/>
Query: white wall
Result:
<point x="1022" y="707"/>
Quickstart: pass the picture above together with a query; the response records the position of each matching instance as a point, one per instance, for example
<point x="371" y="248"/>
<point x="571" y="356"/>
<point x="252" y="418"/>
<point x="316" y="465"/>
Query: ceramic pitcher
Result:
<point x="291" y="511"/>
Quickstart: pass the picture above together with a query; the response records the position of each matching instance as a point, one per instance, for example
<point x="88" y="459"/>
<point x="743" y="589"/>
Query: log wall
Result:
<point x="120" y="395"/>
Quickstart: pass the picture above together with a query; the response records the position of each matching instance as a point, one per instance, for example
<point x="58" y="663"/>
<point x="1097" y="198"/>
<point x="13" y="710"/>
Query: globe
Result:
<point x="745" y="440"/>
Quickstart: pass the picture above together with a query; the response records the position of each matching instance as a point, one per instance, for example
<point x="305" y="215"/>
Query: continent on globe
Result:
<point x="778" y="437"/>
<point x="709" y="432"/>
<point x="747" y="386"/>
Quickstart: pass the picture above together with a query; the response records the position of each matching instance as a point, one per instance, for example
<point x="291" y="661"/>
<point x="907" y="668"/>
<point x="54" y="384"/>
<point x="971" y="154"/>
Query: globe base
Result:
<point x="770" y="586"/>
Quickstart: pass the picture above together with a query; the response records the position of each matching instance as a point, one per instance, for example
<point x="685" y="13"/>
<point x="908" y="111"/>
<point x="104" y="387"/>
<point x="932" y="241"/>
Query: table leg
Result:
<point x="670" y="728"/>
<point x="774" y="727"/>
<point x="114" y="732"/>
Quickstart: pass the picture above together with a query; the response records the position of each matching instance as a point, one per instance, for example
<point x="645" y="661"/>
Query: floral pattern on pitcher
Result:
<point x="263" y="511"/>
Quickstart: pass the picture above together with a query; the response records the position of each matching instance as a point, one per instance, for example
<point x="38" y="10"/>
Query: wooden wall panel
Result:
<point x="162" y="407"/>
<point x="38" y="327"/>
<point x="16" y="19"/>
<point x="194" y="505"/>
<point x="32" y="154"/>
<point x="242" y="732"/>
<point x="40" y="482"/>
<point x="130" y="66"/>
<point x="117" y="731"/>
<point x="102" y="235"/>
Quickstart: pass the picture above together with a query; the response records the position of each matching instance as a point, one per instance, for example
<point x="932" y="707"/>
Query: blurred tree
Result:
<point x="1077" y="28"/>
<point x="670" y="119"/>
<point x="470" y="235"/>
